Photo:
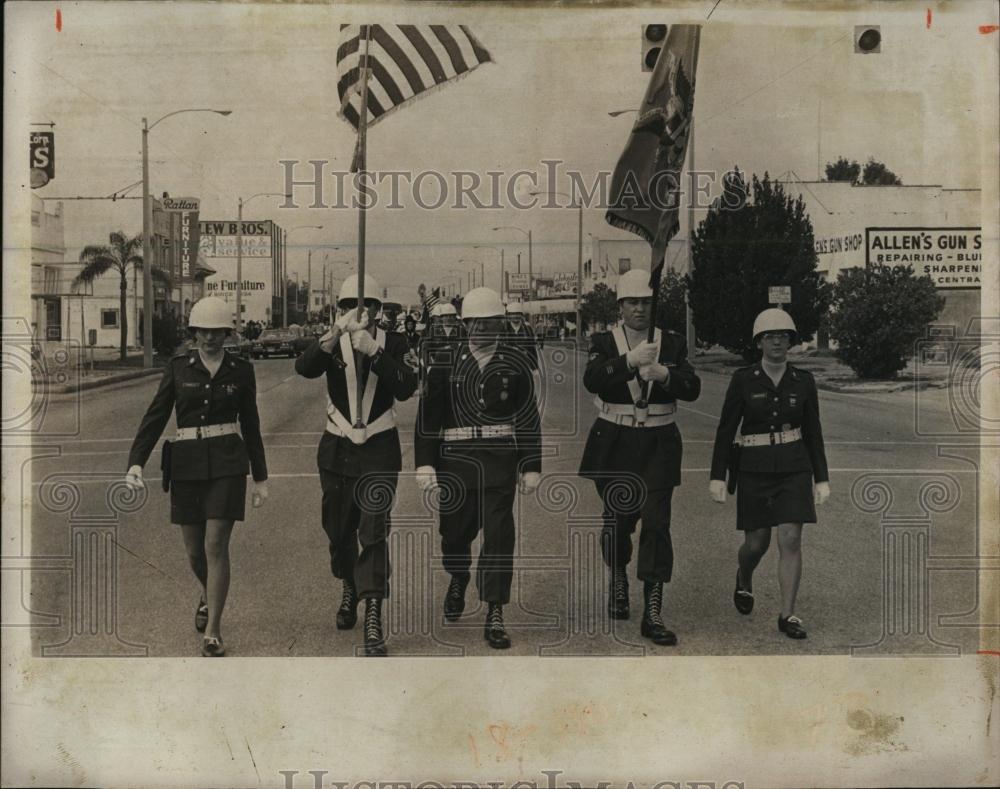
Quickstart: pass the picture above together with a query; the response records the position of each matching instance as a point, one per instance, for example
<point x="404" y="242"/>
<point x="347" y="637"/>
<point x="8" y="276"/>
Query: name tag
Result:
<point x="190" y="385"/>
<point x="758" y="396"/>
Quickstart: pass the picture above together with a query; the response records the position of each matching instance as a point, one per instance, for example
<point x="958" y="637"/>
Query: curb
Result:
<point x="860" y="387"/>
<point x="84" y="385"/>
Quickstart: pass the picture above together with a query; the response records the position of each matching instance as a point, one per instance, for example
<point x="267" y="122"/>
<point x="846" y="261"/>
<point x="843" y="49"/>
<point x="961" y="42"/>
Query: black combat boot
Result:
<point x="494" y="631"/>
<point x="652" y="625"/>
<point x="374" y="640"/>
<point x="618" y="594"/>
<point x="454" y="599"/>
<point x="347" y="614"/>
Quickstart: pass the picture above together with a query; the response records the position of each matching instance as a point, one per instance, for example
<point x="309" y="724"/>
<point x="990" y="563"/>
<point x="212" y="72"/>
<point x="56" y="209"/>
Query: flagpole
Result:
<point x="362" y="170"/>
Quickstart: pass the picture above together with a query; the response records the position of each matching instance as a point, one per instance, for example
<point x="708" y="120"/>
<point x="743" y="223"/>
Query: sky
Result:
<point x="778" y="88"/>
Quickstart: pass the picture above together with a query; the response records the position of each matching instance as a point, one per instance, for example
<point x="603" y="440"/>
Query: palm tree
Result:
<point x="118" y="255"/>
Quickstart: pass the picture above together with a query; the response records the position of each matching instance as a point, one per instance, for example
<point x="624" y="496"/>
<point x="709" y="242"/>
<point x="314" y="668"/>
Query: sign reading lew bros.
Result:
<point x="951" y="256"/>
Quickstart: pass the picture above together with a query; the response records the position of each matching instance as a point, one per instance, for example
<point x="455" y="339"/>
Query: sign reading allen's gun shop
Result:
<point x="951" y="256"/>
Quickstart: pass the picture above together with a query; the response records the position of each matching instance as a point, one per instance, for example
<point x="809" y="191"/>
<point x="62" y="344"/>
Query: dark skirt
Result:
<point x="195" y="501"/>
<point x="767" y="499"/>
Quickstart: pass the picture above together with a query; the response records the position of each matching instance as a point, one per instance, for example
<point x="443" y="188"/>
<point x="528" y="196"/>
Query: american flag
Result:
<point x="430" y="300"/>
<point x="406" y="61"/>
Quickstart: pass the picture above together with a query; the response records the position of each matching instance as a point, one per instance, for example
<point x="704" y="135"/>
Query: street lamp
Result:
<point x="482" y="271"/>
<point x="147" y="224"/>
<point x="461" y="274"/>
<point x="579" y="257"/>
<point x="239" y="253"/>
<point x="284" y="272"/>
<point x="531" y="280"/>
<point x="500" y="250"/>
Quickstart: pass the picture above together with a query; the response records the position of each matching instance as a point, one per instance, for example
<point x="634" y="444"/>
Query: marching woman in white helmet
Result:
<point x="205" y="466"/>
<point x="778" y="464"/>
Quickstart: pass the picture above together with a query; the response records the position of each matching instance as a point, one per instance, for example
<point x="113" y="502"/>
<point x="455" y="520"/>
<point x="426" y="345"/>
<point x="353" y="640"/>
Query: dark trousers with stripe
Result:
<point x="356" y="510"/>
<point x="656" y="550"/>
<point x="490" y="510"/>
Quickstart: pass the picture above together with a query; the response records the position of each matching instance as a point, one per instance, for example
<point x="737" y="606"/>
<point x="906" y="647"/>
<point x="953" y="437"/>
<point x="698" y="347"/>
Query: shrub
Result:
<point x="877" y="314"/>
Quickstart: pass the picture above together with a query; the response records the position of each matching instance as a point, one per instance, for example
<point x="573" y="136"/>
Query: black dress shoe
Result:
<point x="454" y="599"/>
<point x="652" y="626"/>
<point x="212" y="647"/>
<point x="201" y="616"/>
<point x="494" y="632"/>
<point x="742" y="599"/>
<point x="374" y="639"/>
<point x="347" y="614"/>
<point x="618" y="594"/>
<point x="791" y="626"/>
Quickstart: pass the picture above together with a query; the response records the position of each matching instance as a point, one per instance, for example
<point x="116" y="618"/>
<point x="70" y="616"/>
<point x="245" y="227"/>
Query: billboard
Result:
<point x="217" y="249"/>
<point x="517" y="283"/>
<point x="951" y="256"/>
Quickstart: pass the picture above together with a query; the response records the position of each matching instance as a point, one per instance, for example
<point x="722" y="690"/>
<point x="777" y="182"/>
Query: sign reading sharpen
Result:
<point x="951" y="256"/>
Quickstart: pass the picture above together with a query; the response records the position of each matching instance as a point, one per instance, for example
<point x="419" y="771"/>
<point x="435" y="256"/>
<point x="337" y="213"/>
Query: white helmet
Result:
<point x="514" y="308"/>
<point x="774" y="320"/>
<point x="634" y="284"/>
<point x="210" y="313"/>
<point x="482" y="303"/>
<point x="349" y="290"/>
<point x="443" y="308"/>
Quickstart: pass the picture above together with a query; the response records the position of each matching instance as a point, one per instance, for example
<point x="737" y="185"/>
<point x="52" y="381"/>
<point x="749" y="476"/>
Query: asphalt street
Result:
<point x="887" y="570"/>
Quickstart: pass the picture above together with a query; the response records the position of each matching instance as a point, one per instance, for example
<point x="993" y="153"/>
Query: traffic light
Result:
<point x="653" y="38"/>
<point x="867" y="39"/>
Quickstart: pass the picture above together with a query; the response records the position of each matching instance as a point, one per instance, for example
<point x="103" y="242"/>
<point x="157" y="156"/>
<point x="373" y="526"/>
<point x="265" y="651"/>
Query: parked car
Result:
<point x="238" y="345"/>
<point x="279" y="342"/>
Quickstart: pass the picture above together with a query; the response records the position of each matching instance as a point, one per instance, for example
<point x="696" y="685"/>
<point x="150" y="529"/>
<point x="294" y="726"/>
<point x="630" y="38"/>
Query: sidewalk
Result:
<point x="62" y="369"/>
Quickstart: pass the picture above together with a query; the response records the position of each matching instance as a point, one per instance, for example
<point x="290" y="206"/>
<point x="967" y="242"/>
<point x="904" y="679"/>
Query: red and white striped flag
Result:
<point x="406" y="62"/>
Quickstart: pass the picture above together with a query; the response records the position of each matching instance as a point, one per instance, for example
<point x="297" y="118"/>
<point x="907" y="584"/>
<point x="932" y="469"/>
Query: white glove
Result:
<point x="822" y="492"/>
<point x="654" y="372"/>
<point x="644" y="353"/>
<point x="363" y="342"/>
<point x="354" y="324"/>
<point x="344" y="320"/>
<point x="717" y="489"/>
<point x="529" y="481"/>
<point x="259" y="494"/>
<point x="133" y="478"/>
<point x="426" y="478"/>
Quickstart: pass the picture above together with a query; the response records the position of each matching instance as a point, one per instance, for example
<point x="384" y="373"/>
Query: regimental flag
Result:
<point x="406" y="62"/>
<point x="645" y="187"/>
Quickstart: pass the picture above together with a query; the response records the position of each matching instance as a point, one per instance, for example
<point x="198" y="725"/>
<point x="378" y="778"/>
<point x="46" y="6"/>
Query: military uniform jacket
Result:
<point x="459" y="394"/>
<point x="763" y="407"/>
<point x="202" y="400"/>
<point x="654" y="453"/>
<point x="524" y="338"/>
<point x="396" y="381"/>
